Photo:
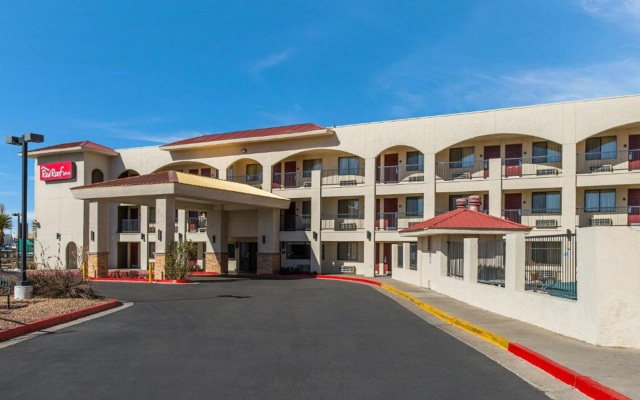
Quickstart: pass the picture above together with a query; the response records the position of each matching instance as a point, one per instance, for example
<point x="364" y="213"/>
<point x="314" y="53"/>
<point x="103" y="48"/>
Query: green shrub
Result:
<point x="177" y="259"/>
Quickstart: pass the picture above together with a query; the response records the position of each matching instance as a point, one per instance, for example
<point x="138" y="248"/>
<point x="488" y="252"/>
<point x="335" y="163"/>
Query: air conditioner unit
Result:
<point x="600" y="222"/>
<point x="348" y="226"/>
<point x="350" y="182"/>
<point x="463" y="175"/>
<point x="547" y="171"/>
<point x="416" y="179"/>
<point x="546" y="223"/>
<point x="306" y="184"/>
<point x="601" y="168"/>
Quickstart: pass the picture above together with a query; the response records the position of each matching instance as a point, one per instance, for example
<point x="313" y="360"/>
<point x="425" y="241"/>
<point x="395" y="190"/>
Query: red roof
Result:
<point x="252" y="133"/>
<point x="149" y="179"/>
<point x="467" y="219"/>
<point x="84" y="145"/>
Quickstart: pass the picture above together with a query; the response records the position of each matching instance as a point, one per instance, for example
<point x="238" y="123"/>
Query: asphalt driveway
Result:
<point x="253" y="339"/>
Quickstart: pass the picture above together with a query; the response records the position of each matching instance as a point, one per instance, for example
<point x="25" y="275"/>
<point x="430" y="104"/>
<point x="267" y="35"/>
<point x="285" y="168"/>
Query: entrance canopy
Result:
<point x="188" y="190"/>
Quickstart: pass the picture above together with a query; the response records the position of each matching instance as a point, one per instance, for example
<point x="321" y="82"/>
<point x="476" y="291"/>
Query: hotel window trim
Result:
<point x="461" y="157"/>
<point x="601" y="148"/>
<point x="348" y="251"/>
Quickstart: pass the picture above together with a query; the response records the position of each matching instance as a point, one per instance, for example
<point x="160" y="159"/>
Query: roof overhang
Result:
<point x="258" y="139"/>
<point x="69" y="150"/>
<point x="450" y="231"/>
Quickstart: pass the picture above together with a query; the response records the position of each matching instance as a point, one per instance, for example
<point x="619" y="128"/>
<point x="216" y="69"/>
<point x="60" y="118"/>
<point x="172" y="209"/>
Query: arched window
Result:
<point x="97" y="176"/>
<point x="72" y="256"/>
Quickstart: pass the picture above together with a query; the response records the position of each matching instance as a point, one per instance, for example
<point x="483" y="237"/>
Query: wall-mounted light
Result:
<point x="264" y="239"/>
<point x="243" y="151"/>
<point x="142" y="236"/>
<point x="213" y="238"/>
<point x="368" y="235"/>
<point x="315" y="236"/>
<point x="93" y="236"/>
<point x="58" y="236"/>
<point x="160" y="235"/>
<point x="180" y="237"/>
<point x="237" y="245"/>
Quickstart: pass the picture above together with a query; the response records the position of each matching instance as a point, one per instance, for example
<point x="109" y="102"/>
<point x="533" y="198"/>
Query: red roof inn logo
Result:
<point x="59" y="171"/>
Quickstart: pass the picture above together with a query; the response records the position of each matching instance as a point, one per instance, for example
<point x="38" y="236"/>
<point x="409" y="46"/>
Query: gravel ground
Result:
<point x="30" y="310"/>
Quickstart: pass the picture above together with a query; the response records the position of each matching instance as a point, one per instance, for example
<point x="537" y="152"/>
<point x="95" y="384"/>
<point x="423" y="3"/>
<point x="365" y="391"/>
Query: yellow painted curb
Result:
<point x="450" y="319"/>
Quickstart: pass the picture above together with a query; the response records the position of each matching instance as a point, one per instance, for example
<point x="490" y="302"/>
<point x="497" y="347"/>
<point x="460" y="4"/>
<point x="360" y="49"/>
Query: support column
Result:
<point x="495" y="187"/>
<point x="316" y="222"/>
<point x="470" y="264"/>
<point x="165" y="232"/>
<point x="569" y="190"/>
<point x="98" y="255"/>
<point x="515" y="261"/>
<point x="216" y="257"/>
<point x="268" y="241"/>
<point x="369" y="235"/>
<point x="429" y="186"/>
<point x="144" y="233"/>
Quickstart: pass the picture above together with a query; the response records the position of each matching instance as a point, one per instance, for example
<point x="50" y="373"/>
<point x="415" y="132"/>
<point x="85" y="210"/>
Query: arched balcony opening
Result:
<point x="247" y="171"/>
<point x="337" y="168"/>
<point x="613" y="150"/>
<point x="194" y="168"/>
<point x="128" y="173"/>
<point x="400" y="164"/>
<point x="515" y="155"/>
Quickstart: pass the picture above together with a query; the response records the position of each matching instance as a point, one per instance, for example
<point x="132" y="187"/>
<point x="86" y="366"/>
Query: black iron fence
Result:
<point x="399" y="173"/>
<point x="455" y="255"/>
<point x="462" y="170"/>
<point x="290" y="180"/>
<point x="300" y="222"/>
<point x="526" y="166"/>
<point x="491" y="265"/>
<point x="342" y="177"/>
<point x="342" y="222"/>
<point x="551" y="266"/>
<point x="608" y="216"/>
<point x="608" y="161"/>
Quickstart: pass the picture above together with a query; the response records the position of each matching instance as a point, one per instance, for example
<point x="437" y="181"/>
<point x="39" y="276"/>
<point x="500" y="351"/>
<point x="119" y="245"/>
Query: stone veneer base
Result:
<point x="268" y="263"/>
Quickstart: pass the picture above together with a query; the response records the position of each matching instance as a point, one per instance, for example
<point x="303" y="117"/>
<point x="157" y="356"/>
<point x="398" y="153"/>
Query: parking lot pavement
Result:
<point x="250" y="339"/>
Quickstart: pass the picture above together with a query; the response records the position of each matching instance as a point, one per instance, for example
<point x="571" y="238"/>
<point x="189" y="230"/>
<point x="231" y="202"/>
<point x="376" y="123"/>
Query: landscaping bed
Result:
<point x="37" y="308"/>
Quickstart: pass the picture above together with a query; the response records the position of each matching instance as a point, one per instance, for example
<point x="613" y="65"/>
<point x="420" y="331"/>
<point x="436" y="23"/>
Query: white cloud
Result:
<point x="625" y="12"/>
<point x="269" y="61"/>
<point x="141" y="129"/>
<point x="290" y="116"/>
<point x="412" y="93"/>
<point x="7" y="193"/>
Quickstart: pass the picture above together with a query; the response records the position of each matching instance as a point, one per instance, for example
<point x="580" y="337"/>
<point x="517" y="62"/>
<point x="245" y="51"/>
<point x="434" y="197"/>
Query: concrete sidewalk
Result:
<point x="619" y="369"/>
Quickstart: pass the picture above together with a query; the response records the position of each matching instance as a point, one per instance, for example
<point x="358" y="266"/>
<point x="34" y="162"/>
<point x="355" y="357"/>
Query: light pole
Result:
<point x="20" y="236"/>
<point x="23" y="288"/>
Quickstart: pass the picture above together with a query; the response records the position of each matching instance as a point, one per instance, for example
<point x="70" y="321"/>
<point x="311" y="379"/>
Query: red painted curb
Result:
<point x="583" y="383"/>
<point x="596" y="390"/>
<point x="139" y="280"/>
<point x="172" y="281"/>
<point x="56" y="320"/>
<point x="202" y="273"/>
<point x="346" y="278"/>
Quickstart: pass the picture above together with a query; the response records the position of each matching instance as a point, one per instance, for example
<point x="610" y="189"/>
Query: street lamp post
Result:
<point x="23" y="288"/>
<point x="19" y="235"/>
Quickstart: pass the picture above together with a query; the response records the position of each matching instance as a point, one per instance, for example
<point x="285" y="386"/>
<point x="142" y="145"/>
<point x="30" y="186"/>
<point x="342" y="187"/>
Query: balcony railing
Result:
<point x="300" y="222"/>
<point x="532" y="166"/>
<point x="395" y="220"/>
<point x="252" y="180"/>
<point x="342" y="222"/>
<point x="287" y="180"/>
<point x="130" y="226"/>
<point x="609" y="161"/>
<point x="400" y="173"/>
<point x="196" y="225"/>
<point x="151" y="228"/>
<point x="461" y="170"/>
<point x="537" y="218"/>
<point x="608" y="216"/>
<point x="342" y="177"/>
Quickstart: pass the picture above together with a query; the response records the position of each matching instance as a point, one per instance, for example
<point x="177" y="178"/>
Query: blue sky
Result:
<point x="139" y="73"/>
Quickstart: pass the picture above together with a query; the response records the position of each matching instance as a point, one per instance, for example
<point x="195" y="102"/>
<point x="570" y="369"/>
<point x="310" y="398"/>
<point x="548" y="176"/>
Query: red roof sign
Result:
<point x="59" y="171"/>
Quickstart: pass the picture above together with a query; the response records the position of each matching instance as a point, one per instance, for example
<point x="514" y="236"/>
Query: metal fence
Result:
<point x="526" y="166"/>
<point x="551" y="266"/>
<point x="491" y="266"/>
<point x="130" y="226"/>
<point x="252" y="180"/>
<point x="461" y="170"/>
<point x="399" y="173"/>
<point x="290" y="180"/>
<point x="608" y="216"/>
<point x="455" y="255"/>
<point x="342" y="222"/>
<point x="608" y="161"/>
<point x="300" y="222"/>
<point x="342" y="177"/>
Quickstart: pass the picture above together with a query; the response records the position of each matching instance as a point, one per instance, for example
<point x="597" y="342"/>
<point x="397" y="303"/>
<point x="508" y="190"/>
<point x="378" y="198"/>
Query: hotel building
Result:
<point x="320" y="199"/>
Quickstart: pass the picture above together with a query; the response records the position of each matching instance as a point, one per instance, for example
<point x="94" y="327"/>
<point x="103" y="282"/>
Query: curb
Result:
<point x="584" y="384"/>
<point x="56" y="320"/>
<point x="140" y="280"/>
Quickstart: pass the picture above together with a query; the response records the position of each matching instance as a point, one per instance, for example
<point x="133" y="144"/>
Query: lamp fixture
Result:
<point x="142" y="236"/>
<point x="58" y="236"/>
<point x="243" y="151"/>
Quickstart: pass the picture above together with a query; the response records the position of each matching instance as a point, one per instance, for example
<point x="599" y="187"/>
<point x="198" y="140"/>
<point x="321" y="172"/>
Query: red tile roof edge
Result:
<point x="85" y="144"/>
<point x="433" y="223"/>
<point x="247" y="134"/>
<point x="149" y="179"/>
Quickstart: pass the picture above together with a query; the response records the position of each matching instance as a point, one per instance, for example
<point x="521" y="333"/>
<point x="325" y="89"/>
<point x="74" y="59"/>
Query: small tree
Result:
<point x="177" y="259"/>
<point x="5" y="222"/>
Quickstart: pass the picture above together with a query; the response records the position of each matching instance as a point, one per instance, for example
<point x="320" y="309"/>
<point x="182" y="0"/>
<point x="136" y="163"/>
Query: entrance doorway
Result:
<point x="634" y="152"/>
<point x="247" y="257"/>
<point x="634" y="207"/>
<point x="513" y="160"/>
<point x="489" y="153"/>
<point x="513" y="207"/>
